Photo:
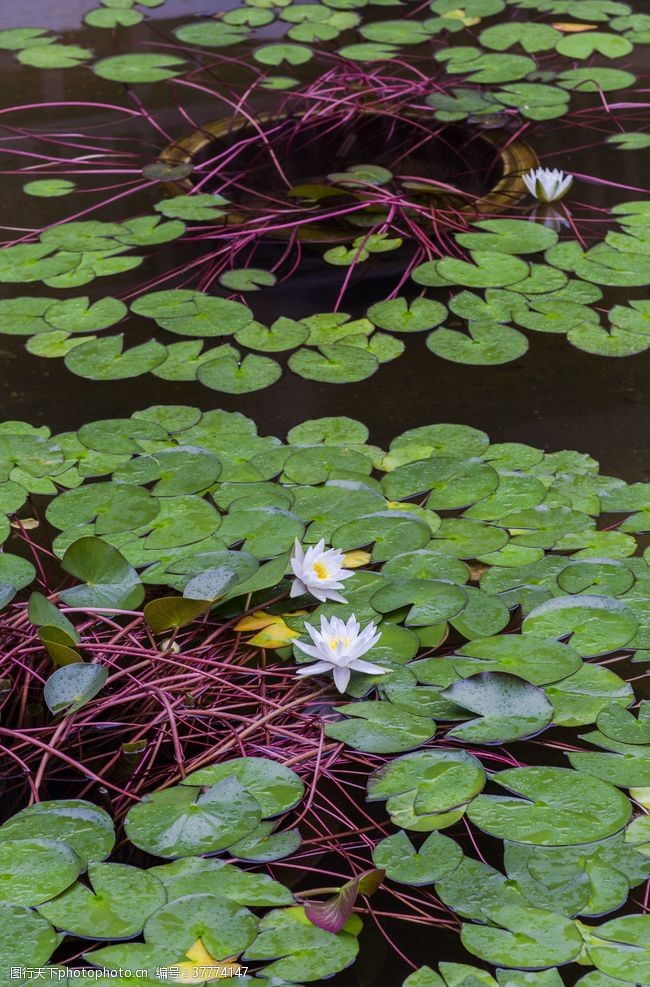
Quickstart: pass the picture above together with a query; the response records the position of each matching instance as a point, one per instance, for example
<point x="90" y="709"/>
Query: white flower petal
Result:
<point x="341" y="678"/>
<point x="367" y="666"/>
<point x="309" y="649"/>
<point x="318" y="668"/>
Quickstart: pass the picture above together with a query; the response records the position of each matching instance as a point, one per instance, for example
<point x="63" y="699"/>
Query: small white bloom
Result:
<point x="546" y="184"/>
<point x="338" y="647"/>
<point x="318" y="572"/>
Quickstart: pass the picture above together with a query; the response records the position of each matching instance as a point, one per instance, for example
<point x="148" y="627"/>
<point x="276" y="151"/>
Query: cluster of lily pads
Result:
<point x="503" y="70"/>
<point x="198" y="916"/>
<point x="501" y="292"/>
<point x="504" y="583"/>
<point x="520" y="56"/>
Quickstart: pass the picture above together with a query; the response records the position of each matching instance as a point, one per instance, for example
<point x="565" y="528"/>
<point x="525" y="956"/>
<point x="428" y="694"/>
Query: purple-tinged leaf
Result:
<point x="331" y="915"/>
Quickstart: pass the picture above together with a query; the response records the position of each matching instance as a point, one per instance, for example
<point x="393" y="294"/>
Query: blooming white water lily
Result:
<point x="546" y="184"/>
<point x="318" y="571"/>
<point x="338" y="646"/>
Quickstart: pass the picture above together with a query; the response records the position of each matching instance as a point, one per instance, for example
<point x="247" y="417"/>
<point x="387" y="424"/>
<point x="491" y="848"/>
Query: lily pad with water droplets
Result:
<point x="276" y="788"/>
<point x="554" y="810"/>
<point x="434" y="859"/>
<point x="117" y="907"/>
<point x="380" y="728"/>
<point x="182" y="822"/>
<point x="509" y="708"/>
<point x="594" y="625"/>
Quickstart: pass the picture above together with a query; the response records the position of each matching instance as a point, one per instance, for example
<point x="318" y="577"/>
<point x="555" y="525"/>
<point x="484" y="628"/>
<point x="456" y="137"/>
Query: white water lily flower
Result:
<point x="338" y="647"/>
<point x="318" y="571"/>
<point x="546" y="184"/>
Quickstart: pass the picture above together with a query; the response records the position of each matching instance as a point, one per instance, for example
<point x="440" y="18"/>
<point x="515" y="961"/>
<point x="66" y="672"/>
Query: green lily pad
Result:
<point x="587" y="44"/>
<point x="335" y="364"/>
<point x="86" y="828"/>
<point x="555" y="808"/>
<point x="508" y="236"/>
<point x="380" y="728"/>
<point x="180" y="822"/>
<point x="579" y="698"/>
<point x="105" y="359"/>
<point x="452" y="482"/>
<point x="532" y="659"/>
<point x="592" y="80"/>
<point x="139" y="67"/>
<point x="430" y="789"/>
<point x="595" y="625"/>
<point x="619" y="948"/>
<point x="72" y="686"/>
<point x="436" y="857"/>
<point x="385" y="530"/>
<point x="47" y="188"/>
<point x="397" y="315"/>
<point x="34" y="870"/>
<point x="108" y="581"/>
<point x="283" y="334"/>
<point x="121" y="900"/>
<point x="430" y="601"/>
<point x="488" y="344"/>
<point x="228" y="374"/>
<point x="276" y="788"/>
<point x="247" y="279"/>
<point x="265" y="846"/>
<point x="509" y="708"/>
<point x="487" y="270"/>
<point x="224" y="927"/>
<point x="299" y="950"/>
<point x="210" y="34"/>
<point x="207" y="875"/>
<point x="26" y="939"/>
<point x="528" y="937"/>
<point x="531" y="36"/>
<point x="277" y="54"/>
<point x="620" y="725"/>
<point x="54" y="56"/>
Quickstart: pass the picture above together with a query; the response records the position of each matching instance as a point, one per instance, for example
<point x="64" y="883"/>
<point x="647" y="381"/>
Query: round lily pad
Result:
<point x="34" y="870"/>
<point x="180" y="822"/>
<point x="435" y="858"/>
<point x="276" y="788"/>
<point x="555" y="808"/>
<point x="509" y="708"/>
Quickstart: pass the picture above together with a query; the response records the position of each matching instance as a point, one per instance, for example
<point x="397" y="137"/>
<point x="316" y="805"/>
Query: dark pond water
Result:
<point x="555" y="397"/>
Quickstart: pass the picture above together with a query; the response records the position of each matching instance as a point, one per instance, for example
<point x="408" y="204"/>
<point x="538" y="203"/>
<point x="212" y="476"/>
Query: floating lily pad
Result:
<point x="86" y="828"/>
<point x="299" y="950"/>
<point x="121" y="900"/>
<point x="436" y="857"/>
<point x="429" y="789"/>
<point x="180" y="822"/>
<point x="276" y="788"/>
<point x="380" y="728"/>
<point x="555" y="808"/>
<point x="487" y="344"/>
<point x="139" y="67"/>
<point x="35" y="870"/>
<point x="509" y="708"/>
<point x="594" y="625"/>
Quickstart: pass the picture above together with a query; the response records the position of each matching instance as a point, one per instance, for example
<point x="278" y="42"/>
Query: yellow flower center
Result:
<point x="334" y="641"/>
<point x="321" y="570"/>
